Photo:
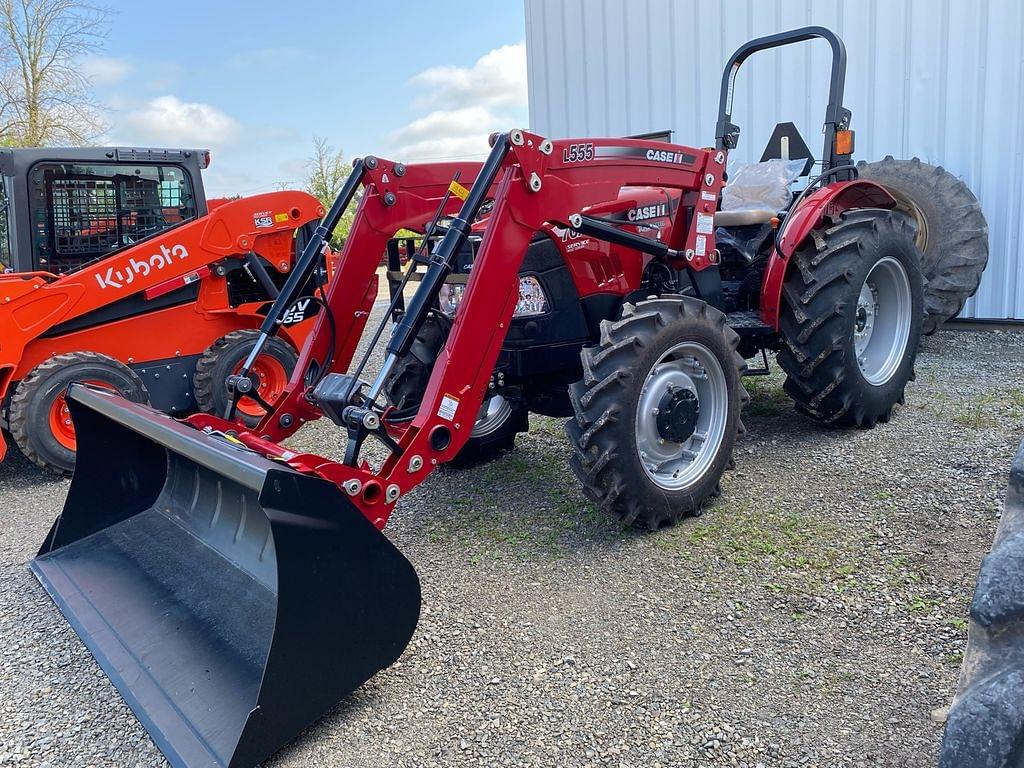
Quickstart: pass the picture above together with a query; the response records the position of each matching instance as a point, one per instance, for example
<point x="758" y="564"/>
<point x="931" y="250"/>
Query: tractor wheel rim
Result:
<point x="493" y="414"/>
<point x="908" y="206"/>
<point x="61" y="426"/>
<point x="692" y="370"/>
<point x="270" y="378"/>
<point x="881" y="328"/>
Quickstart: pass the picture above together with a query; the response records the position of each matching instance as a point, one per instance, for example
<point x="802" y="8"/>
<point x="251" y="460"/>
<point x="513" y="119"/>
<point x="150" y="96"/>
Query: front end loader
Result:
<point x="234" y="589"/>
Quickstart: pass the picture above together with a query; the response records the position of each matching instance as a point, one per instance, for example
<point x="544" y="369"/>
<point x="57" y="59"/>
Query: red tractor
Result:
<point x="235" y="590"/>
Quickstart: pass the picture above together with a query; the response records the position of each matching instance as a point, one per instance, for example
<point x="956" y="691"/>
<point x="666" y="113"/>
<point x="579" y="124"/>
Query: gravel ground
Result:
<point x="814" y="616"/>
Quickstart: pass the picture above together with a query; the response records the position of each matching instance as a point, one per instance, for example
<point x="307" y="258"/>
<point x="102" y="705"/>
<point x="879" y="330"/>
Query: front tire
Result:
<point x="224" y="358"/>
<point x="657" y="411"/>
<point x="851" y="319"/>
<point x="39" y="419"/>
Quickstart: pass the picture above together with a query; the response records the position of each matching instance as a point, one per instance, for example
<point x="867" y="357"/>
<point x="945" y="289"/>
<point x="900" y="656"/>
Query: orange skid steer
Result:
<point x="115" y="270"/>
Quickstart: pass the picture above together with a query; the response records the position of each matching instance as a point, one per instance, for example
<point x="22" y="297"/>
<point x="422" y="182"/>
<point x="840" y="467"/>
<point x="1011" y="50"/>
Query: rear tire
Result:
<point x="39" y="421"/>
<point x="952" y="234"/>
<point x="673" y="358"/>
<point x="223" y="358"/>
<point x="850" y="341"/>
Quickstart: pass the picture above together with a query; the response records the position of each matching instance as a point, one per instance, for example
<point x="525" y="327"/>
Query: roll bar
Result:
<point x="837" y="117"/>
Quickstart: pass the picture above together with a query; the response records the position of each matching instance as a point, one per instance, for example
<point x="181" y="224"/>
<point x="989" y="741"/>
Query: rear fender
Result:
<point x="827" y="203"/>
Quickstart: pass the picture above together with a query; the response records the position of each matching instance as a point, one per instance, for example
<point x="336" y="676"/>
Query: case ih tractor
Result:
<point x="234" y="590"/>
<point x="117" y="271"/>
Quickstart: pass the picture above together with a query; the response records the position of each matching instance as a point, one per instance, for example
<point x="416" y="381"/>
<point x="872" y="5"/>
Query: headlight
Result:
<point x="532" y="299"/>
<point x="450" y="297"/>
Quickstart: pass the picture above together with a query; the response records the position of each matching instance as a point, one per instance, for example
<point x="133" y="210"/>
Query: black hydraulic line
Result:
<point x="306" y="263"/>
<point x="852" y="169"/>
<point x="397" y="297"/>
<point x="301" y="272"/>
<point x="588" y="225"/>
<point x="442" y="258"/>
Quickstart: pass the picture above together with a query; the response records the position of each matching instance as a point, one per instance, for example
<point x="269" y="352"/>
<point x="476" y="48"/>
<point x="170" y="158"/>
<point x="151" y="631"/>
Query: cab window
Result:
<point x="84" y="212"/>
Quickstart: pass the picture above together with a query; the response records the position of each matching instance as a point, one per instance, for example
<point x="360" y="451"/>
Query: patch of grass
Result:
<point x="803" y="552"/>
<point x="955" y="659"/>
<point x="767" y="397"/>
<point x="977" y="413"/>
<point x="918" y="604"/>
<point x="521" y="505"/>
<point x="958" y="622"/>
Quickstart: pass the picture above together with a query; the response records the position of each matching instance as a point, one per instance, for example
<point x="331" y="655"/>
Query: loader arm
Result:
<point x="391" y="201"/>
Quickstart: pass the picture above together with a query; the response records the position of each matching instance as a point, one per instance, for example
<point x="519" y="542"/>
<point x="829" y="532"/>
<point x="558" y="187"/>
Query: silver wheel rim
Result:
<point x="671" y="465"/>
<point x="493" y="413"/>
<point x="881" y="325"/>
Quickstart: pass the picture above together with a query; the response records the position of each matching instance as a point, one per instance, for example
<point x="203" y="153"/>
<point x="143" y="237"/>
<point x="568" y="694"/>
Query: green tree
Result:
<point x="326" y="172"/>
<point x="44" y="96"/>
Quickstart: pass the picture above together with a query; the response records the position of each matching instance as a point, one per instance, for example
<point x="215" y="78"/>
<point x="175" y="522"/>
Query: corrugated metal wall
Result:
<point x="939" y="79"/>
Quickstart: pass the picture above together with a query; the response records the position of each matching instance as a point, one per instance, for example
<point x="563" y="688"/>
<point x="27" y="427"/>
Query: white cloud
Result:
<point x="446" y="134"/>
<point x="465" y="105"/>
<point x="170" y="121"/>
<point x="497" y="79"/>
<point x="104" y="70"/>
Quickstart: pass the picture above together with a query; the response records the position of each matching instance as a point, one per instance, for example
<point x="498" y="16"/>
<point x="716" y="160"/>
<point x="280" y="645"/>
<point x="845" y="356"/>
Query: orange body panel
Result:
<point x="33" y="303"/>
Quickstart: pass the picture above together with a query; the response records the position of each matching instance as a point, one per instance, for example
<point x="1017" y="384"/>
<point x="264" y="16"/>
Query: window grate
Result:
<point x="90" y="212"/>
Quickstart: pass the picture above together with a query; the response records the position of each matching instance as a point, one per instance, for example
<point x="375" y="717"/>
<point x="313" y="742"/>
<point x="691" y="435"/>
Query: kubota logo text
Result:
<point x="124" y="276"/>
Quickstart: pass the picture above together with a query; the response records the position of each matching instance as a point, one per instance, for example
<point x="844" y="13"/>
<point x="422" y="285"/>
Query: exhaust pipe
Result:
<point x="231" y="600"/>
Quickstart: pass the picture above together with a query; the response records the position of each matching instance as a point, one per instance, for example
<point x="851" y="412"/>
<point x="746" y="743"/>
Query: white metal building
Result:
<point x="939" y="79"/>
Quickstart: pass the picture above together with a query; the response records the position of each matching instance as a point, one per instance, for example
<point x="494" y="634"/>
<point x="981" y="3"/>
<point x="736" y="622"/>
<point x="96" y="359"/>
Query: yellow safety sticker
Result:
<point x="458" y="190"/>
<point x="280" y="218"/>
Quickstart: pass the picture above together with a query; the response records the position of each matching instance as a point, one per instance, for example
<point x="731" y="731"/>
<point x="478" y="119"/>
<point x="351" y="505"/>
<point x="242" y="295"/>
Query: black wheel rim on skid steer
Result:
<point x="230" y="599"/>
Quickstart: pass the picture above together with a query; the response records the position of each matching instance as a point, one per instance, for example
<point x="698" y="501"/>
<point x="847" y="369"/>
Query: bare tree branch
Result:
<point x="44" y="97"/>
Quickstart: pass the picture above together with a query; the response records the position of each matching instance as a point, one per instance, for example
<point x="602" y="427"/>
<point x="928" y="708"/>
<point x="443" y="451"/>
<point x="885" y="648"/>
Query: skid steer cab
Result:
<point x="234" y="589"/>
<point x="117" y="271"/>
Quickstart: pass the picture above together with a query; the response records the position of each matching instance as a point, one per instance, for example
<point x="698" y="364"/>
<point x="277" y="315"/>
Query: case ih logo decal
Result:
<point x="125" y="276"/>
<point x="657" y="155"/>
<point x="645" y="212"/>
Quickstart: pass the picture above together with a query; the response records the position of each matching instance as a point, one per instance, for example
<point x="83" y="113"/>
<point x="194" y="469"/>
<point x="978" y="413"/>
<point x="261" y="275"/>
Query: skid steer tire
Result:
<point x="500" y="419"/>
<point x="225" y="356"/>
<point x="39" y="420"/>
<point x="828" y="310"/>
<point x="658" y="351"/>
<point x="985" y="727"/>
<point x="952" y="234"/>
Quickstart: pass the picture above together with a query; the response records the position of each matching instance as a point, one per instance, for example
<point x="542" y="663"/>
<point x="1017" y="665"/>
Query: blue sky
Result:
<point x="255" y="81"/>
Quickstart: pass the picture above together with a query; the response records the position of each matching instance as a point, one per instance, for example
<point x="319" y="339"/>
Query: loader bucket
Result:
<point x="230" y="599"/>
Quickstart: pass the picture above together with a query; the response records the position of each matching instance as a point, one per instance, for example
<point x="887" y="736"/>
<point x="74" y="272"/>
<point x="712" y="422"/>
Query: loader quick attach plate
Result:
<point x="230" y="599"/>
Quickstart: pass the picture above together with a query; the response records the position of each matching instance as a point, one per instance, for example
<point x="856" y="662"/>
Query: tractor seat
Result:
<point x="743" y="218"/>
